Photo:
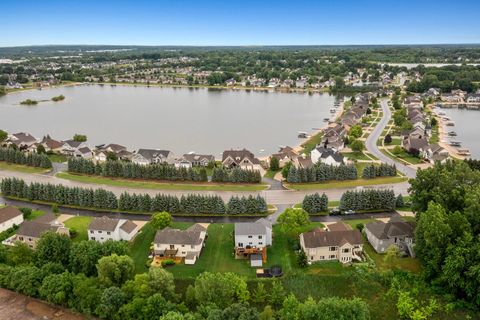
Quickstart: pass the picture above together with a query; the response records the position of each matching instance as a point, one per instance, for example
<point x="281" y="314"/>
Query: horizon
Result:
<point x="215" y="23"/>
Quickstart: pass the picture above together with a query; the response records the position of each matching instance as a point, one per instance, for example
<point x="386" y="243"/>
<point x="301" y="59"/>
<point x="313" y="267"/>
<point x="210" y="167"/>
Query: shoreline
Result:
<point x="443" y="136"/>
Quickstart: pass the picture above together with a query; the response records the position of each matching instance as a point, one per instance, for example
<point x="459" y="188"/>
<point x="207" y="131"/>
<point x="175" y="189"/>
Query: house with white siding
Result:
<point x="105" y="228"/>
<point x="9" y="217"/>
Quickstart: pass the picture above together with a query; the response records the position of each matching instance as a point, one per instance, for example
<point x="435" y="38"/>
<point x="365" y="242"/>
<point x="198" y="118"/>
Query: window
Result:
<point x="172" y="246"/>
<point x="260" y="243"/>
<point x="322" y="258"/>
<point x="99" y="231"/>
<point x="183" y="246"/>
<point x="91" y="231"/>
<point x="333" y="248"/>
<point x="92" y="238"/>
<point x="311" y="258"/>
<point x="345" y="250"/>
<point x="108" y="232"/>
<point x="192" y="246"/>
<point x="240" y="245"/>
<point x="332" y="256"/>
<point x="249" y="237"/>
<point x="20" y="238"/>
<point x="259" y="237"/>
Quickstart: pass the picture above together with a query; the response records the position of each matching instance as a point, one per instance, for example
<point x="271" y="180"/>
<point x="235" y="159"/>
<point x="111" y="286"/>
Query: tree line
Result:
<point x="236" y="175"/>
<point x="107" y="200"/>
<point x="31" y="159"/>
<point x="371" y="199"/>
<point x="383" y="170"/>
<point x="99" y="280"/>
<point x="315" y="203"/>
<point x="129" y="170"/>
<point x="322" y="172"/>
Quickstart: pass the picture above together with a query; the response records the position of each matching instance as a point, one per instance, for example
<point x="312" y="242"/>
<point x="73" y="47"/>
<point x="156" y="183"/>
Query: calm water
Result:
<point x="466" y="127"/>
<point x="178" y="119"/>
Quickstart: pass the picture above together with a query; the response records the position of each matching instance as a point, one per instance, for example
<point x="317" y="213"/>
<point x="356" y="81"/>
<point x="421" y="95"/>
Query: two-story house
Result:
<point x="153" y="156"/>
<point x="105" y="228"/>
<point x="338" y="242"/>
<point x="9" y="217"/>
<point x="240" y="158"/>
<point x="175" y="243"/>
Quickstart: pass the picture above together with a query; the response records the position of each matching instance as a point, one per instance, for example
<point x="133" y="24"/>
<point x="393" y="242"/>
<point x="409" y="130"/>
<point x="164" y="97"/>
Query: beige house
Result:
<point x="9" y="217"/>
<point x="336" y="242"/>
<point x="240" y="158"/>
<point x="177" y="243"/>
<point x="31" y="231"/>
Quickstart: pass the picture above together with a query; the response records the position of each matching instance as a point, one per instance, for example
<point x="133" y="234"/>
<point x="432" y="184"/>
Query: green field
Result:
<point x="80" y="224"/>
<point x="346" y="183"/>
<point x="160" y="185"/>
<point x="21" y="168"/>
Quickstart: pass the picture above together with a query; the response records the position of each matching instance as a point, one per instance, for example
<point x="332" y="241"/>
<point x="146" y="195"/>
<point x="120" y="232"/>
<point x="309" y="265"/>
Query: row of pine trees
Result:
<point x="321" y="172"/>
<point x="129" y="170"/>
<point x="365" y="200"/>
<point x="31" y="159"/>
<point x="315" y="203"/>
<point x="107" y="200"/>
<point x="383" y="170"/>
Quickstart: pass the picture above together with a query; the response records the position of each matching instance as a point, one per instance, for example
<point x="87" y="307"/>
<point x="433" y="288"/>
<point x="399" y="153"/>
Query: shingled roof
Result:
<point x="9" y="213"/>
<point x="103" y="223"/>
<point x="320" y="238"/>
<point x="191" y="236"/>
<point x="390" y="229"/>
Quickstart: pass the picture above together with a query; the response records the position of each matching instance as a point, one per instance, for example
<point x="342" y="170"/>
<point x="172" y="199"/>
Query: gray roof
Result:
<point x="128" y="226"/>
<point x="193" y="157"/>
<point x="390" y="229"/>
<point x="267" y="223"/>
<point x="73" y="143"/>
<point x="85" y="150"/>
<point x="191" y="236"/>
<point x="104" y="223"/>
<point x="47" y="218"/>
<point x="35" y="229"/>
<point x="8" y="213"/>
<point x="249" y="228"/>
<point x="320" y="238"/>
<point x="327" y="152"/>
<point x="153" y="153"/>
<point x="239" y="155"/>
<point x="338" y="226"/>
<point x="23" y="137"/>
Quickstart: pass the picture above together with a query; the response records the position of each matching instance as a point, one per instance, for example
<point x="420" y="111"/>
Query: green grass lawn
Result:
<point x="271" y="174"/>
<point x="57" y="158"/>
<point x="35" y="214"/>
<point x="404" y="156"/>
<point x="355" y="155"/>
<point x="312" y="143"/>
<point x="21" y="168"/>
<point x="139" y="249"/>
<point x="80" y="224"/>
<point x="346" y="183"/>
<point x="160" y="185"/>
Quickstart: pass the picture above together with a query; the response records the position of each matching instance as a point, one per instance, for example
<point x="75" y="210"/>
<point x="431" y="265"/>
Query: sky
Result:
<point x="230" y="22"/>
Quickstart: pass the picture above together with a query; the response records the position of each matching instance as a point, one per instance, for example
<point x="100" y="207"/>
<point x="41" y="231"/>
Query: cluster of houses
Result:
<point x="241" y="158"/>
<point x="328" y="151"/>
<point x="416" y="140"/>
<point x="455" y="96"/>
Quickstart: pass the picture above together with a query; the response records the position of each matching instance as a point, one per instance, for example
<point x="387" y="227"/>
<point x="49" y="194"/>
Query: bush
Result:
<point x="383" y="170"/>
<point x="388" y="139"/>
<point x="11" y="155"/>
<point x="321" y="172"/>
<point x="27" y="212"/>
<point x="366" y="200"/>
<point x="274" y="164"/>
<point x="359" y="226"/>
<point x="168" y="263"/>
<point x="315" y="203"/>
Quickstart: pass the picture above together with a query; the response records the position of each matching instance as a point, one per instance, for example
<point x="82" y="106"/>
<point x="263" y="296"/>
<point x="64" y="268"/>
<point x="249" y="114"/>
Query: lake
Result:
<point x="466" y="127"/>
<point x="177" y="119"/>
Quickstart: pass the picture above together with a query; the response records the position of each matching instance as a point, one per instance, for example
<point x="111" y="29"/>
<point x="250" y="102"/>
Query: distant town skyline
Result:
<point x="240" y="23"/>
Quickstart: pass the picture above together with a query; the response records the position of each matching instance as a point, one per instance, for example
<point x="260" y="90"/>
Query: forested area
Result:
<point x="321" y="172"/>
<point x="447" y="78"/>
<point x="106" y="200"/>
<point x="31" y="159"/>
<point x="372" y="171"/>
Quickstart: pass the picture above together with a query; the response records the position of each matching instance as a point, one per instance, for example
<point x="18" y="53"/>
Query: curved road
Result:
<point x="371" y="143"/>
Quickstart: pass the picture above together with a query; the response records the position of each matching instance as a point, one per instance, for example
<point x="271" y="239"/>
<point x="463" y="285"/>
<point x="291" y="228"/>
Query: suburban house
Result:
<point x="240" y="158"/>
<point x="30" y="232"/>
<point x="85" y="153"/>
<point x="9" y="217"/>
<point x="473" y="98"/>
<point x="285" y="155"/>
<point x="70" y="146"/>
<point x="101" y="152"/>
<point x="337" y="242"/>
<point x="252" y="239"/>
<point x="304" y="162"/>
<point x="175" y="243"/>
<point x="334" y="134"/>
<point x="51" y="145"/>
<point x="414" y="144"/>
<point x="153" y="156"/>
<point x="190" y="160"/>
<point x="327" y="156"/>
<point x="434" y="153"/>
<point x="105" y="228"/>
<point x="22" y="140"/>
<point x="382" y="235"/>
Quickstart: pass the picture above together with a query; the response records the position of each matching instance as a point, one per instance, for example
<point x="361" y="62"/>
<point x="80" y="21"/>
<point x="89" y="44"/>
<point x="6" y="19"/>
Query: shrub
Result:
<point x="27" y="212"/>
<point x="168" y="262"/>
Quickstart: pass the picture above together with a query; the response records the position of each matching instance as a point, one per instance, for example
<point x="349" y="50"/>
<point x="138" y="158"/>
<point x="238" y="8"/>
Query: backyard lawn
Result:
<point x="355" y="155"/>
<point x="80" y="224"/>
<point x="346" y="183"/>
<point x="21" y="168"/>
<point x="57" y="158"/>
<point x="160" y="185"/>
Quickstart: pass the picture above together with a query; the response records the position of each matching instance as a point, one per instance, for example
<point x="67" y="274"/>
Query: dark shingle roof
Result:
<point x="338" y="226"/>
<point x="239" y="155"/>
<point x="327" y="152"/>
<point x="319" y="238"/>
<point x="8" y="213"/>
<point x="390" y="229"/>
<point x="249" y="228"/>
<point x="176" y="236"/>
<point x="149" y="154"/>
<point x="35" y="229"/>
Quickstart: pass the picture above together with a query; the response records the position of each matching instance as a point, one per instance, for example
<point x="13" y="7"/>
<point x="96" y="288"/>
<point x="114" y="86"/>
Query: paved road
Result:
<point x="371" y="143"/>
<point x="275" y="197"/>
